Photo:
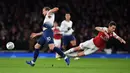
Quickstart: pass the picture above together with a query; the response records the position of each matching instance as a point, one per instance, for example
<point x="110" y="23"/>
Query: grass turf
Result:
<point x="44" y="65"/>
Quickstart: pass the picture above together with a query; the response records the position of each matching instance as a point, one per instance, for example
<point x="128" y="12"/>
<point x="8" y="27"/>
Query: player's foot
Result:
<point x="58" y="58"/>
<point x="30" y="63"/>
<point x="67" y="60"/>
<point x="76" y="58"/>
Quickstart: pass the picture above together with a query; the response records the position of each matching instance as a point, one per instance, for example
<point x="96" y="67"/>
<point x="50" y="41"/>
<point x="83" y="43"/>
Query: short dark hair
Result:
<point x="112" y="23"/>
<point x="67" y="13"/>
<point x="47" y="8"/>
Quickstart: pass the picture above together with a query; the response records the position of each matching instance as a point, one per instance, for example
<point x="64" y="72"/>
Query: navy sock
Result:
<point x="57" y="50"/>
<point x="36" y="53"/>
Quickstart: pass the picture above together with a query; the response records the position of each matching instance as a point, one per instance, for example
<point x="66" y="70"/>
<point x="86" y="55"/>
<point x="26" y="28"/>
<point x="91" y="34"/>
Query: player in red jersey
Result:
<point x="97" y="43"/>
<point x="57" y="37"/>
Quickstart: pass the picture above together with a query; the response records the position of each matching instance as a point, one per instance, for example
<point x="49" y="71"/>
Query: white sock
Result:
<point x="32" y="62"/>
<point x="75" y="54"/>
<point x="57" y="55"/>
<point x="65" y="57"/>
<point x="69" y="51"/>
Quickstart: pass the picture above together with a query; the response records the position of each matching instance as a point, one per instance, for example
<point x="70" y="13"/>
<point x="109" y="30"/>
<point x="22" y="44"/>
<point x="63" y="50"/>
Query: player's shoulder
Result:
<point x="71" y="21"/>
<point x="63" y="21"/>
<point x="105" y="28"/>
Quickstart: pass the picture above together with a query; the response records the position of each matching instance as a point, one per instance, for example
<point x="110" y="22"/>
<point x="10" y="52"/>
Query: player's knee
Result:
<point x="63" y="46"/>
<point x="85" y="53"/>
<point x="73" y="43"/>
<point x="37" y="46"/>
<point x="51" y="46"/>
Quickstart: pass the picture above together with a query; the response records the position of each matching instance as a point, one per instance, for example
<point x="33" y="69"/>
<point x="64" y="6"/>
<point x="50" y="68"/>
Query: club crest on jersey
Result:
<point x="48" y="39"/>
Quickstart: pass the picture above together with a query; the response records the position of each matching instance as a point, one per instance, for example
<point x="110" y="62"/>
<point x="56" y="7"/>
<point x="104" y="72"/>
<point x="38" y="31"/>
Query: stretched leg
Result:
<point x="36" y="53"/>
<point x="57" y="43"/>
<point x="83" y="53"/>
<point x="72" y="50"/>
<point x="73" y="44"/>
<point x="57" y="50"/>
<point x="40" y="42"/>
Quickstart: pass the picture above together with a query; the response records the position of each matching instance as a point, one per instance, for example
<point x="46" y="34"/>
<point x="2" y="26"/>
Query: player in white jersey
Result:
<point x="97" y="43"/>
<point x="47" y="36"/>
<point x="66" y="28"/>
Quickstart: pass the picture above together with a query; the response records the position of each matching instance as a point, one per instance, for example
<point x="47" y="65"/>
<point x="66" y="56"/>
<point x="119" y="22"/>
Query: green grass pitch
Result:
<point x="84" y="65"/>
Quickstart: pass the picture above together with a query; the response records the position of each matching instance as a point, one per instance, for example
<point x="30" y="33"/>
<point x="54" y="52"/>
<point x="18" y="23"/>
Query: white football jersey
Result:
<point x="65" y="25"/>
<point x="49" y="20"/>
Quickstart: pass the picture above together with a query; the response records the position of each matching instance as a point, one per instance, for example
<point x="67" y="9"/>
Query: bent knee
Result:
<point x="37" y="46"/>
<point x="51" y="46"/>
<point x="73" y="43"/>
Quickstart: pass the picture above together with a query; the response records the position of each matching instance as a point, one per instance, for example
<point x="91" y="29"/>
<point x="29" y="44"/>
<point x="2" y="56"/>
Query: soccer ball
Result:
<point x="10" y="45"/>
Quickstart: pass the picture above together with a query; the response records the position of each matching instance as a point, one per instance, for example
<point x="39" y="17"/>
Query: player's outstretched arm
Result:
<point x="100" y="29"/>
<point x="53" y="10"/>
<point x="122" y="40"/>
<point x="33" y="35"/>
<point x="119" y="38"/>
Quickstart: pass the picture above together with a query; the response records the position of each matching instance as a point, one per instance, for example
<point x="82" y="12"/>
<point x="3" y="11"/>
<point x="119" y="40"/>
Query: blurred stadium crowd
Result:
<point x="19" y="18"/>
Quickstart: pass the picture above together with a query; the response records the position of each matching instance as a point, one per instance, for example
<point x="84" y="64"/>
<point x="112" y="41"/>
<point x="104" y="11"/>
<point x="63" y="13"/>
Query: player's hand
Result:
<point x="33" y="35"/>
<point x="123" y="41"/>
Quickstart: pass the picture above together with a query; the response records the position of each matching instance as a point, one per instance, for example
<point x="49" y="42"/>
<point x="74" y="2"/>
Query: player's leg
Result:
<point x="83" y="53"/>
<point x="37" y="46"/>
<point x="81" y="46"/>
<point x="57" y="43"/>
<point x="57" y="50"/>
<point x="76" y="54"/>
<point x="50" y="41"/>
<point x="65" y="43"/>
<point x="87" y="46"/>
<point x="73" y="44"/>
<point x="89" y="51"/>
<point x="73" y="41"/>
<point x="74" y="49"/>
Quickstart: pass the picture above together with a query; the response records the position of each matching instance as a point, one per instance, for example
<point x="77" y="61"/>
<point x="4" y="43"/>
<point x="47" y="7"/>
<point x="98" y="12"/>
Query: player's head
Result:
<point x="67" y="16"/>
<point x="45" y="10"/>
<point x="111" y="26"/>
<point x="55" y="24"/>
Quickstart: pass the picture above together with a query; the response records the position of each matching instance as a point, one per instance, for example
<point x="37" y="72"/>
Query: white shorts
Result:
<point x="57" y="42"/>
<point x="88" y="47"/>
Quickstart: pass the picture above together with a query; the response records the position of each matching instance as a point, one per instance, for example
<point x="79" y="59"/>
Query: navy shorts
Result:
<point x="47" y="37"/>
<point x="68" y="39"/>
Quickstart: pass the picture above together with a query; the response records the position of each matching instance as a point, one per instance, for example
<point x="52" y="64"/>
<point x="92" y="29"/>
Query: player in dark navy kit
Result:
<point x="47" y="36"/>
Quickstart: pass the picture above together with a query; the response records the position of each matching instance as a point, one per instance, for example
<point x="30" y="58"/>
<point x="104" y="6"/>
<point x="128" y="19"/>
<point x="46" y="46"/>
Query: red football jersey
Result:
<point x="55" y="31"/>
<point x="101" y="38"/>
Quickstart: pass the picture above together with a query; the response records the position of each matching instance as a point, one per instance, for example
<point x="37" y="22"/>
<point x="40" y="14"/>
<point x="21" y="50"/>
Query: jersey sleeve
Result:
<point x="71" y="24"/>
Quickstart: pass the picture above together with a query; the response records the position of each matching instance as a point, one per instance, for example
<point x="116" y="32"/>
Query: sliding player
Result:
<point x="97" y="43"/>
